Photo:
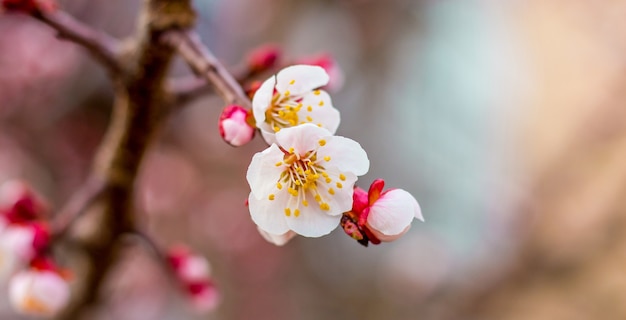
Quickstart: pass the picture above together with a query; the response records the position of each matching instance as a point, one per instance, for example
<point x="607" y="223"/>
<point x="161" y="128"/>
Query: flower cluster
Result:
<point x="193" y="273"/>
<point x="36" y="285"/>
<point x="304" y="182"/>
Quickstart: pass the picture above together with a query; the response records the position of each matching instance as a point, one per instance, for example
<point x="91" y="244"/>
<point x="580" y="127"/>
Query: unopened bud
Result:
<point x="19" y="203"/>
<point x="328" y="63"/>
<point x="194" y="274"/>
<point x="263" y="58"/>
<point x="28" y="6"/>
<point x="235" y="125"/>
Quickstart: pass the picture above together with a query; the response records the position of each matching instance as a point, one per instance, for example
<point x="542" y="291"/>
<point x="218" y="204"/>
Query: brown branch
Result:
<point x="205" y="65"/>
<point x="91" y="191"/>
<point x="103" y="47"/>
<point x="137" y="115"/>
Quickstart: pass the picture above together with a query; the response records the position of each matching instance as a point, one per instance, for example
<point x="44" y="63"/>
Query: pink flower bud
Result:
<point x="19" y="204"/>
<point x="380" y="216"/>
<point x="28" y="6"/>
<point x="235" y="125"/>
<point x="330" y="65"/>
<point x="204" y="296"/>
<point x="263" y="58"/>
<point x="38" y="293"/>
<point x="194" y="274"/>
<point x="391" y="212"/>
<point x="19" y="241"/>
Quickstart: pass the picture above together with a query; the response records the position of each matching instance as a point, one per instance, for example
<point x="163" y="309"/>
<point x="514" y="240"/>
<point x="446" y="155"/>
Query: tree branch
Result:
<point x="103" y="47"/>
<point x="92" y="190"/>
<point x="205" y="65"/>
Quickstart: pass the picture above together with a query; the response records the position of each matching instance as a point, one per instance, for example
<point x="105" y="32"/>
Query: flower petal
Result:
<point x="280" y="239"/>
<point x="263" y="173"/>
<point x="263" y="99"/>
<point x="393" y="212"/>
<point x="301" y="78"/>
<point x="317" y="108"/>
<point x="346" y="154"/>
<point x="268" y="214"/>
<point x="39" y="293"/>
<point x="260" y="103"/>
<point x="313" y="223"/>
<point x="338" y="199"/>
<point x="302" y="138"/>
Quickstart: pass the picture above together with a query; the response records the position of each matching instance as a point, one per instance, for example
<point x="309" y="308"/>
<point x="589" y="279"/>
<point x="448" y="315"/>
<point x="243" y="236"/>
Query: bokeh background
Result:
<point x="506" y="119"/>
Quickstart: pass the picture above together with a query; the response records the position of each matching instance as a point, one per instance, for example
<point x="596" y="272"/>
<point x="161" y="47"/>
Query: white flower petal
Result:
<point x="20" y="240"/>
<point x="194" y="268"/>
<point x="268" y="136"/>
<point x="236" y="131"/>
<point x="317" y="108"/>
<point x="262" y="100"/>
<point x="299" y="79"/>
<point x="337" y="193"/>
<point x="263" y="173"/>
<point x="9" y="263"/>
<point x="39" y="293"/>
<point x="302" y="138"/>
<point x="269" y="214"/>
<point x="346" y="154"/>
<point x="393" y="212"/>
<point x="280" y="239"/>
<point x="313" y="222"/>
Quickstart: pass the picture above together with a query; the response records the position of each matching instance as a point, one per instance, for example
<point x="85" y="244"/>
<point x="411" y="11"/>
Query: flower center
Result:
<point x="305" y="179"/>
<point x="283" y="111"/>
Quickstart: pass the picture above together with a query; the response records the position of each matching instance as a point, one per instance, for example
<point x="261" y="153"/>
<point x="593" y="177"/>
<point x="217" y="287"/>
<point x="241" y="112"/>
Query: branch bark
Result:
<point x="100" y="45"/>
<point x="138" y="112"/>
<point x="205" y="65"/>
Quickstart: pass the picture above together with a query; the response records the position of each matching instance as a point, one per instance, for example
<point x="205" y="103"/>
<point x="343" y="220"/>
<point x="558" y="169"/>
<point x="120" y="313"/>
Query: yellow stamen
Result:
<point x="324" y="206"/>
<point x="321" y="103"/>
<point x="316" y="92"/>
<point x="279" y="186"/>
<point x="305" y="203"/>
<point x="342" y="177"/>
<point x="322" y="142"/>
<point x="327" y="158"/>
<point x="309" y="119"/>
<point x="296" y="212"/>
<point x="309" y="108"/>
<point x="271" y="197"/>
<point x="331" y="191"/>
<point x="287" y="212"/>
<point x="328" y="180"/>
<point x="339" y="185"/>
<point x="292" y="81"/>
<point x="286" y="93"/>
<point x="279" y="163"/>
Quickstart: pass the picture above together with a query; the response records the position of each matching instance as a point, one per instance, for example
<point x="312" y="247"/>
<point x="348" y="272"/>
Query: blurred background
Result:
<point x="506" y="119"/>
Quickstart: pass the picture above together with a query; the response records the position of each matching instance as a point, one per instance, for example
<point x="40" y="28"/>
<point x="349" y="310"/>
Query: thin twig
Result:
<point x="204" y="64"/>
<point x="102" y="46"/>
<point x="159" y="255"/>
<point x="187" y="89"/>
<point x="79" y="203"/>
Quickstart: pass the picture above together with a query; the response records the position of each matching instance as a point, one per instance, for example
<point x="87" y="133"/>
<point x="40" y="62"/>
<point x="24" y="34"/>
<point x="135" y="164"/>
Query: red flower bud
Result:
<point x="235" y="125"/>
